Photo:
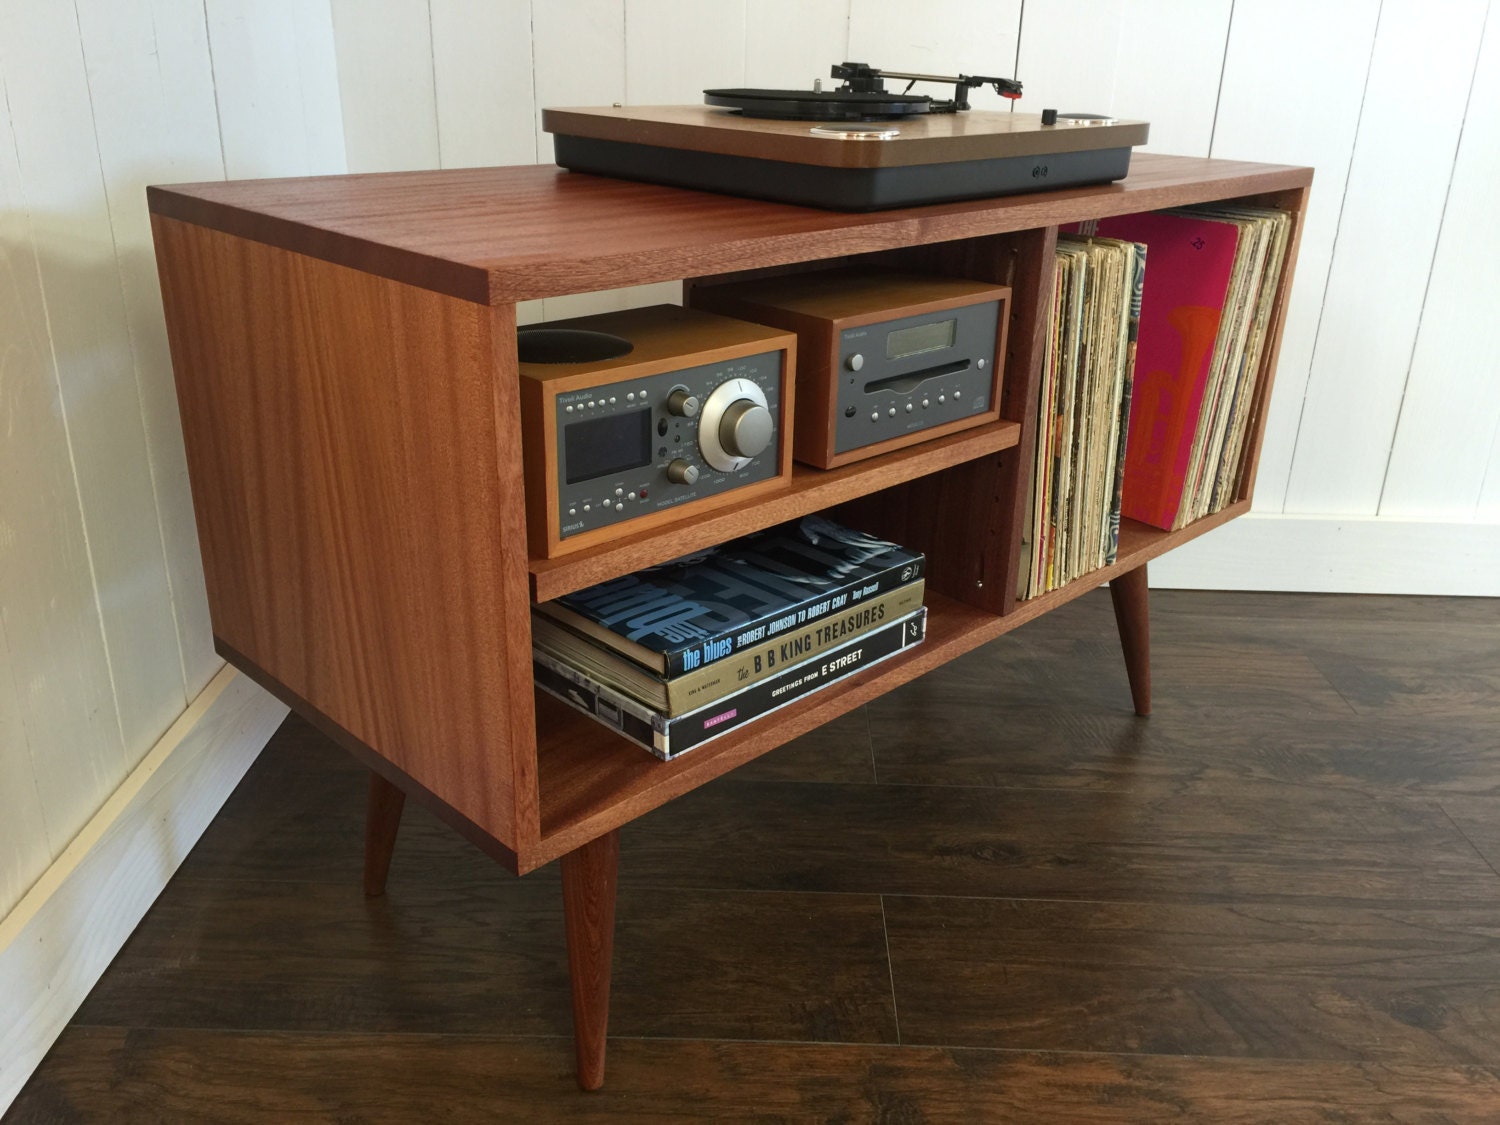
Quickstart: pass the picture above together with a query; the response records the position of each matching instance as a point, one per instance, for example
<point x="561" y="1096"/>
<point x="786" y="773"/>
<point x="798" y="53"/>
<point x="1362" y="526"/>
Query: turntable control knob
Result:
<point x="682" y="403"/>
<point x="855" y="362"/>
<point x="682" y="472"/>
<point x="746" y="428"/>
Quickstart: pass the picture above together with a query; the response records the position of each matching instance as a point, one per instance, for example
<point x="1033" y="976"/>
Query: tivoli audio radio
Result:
<point x="886" y="359"/>
<point x="634" y="417"/>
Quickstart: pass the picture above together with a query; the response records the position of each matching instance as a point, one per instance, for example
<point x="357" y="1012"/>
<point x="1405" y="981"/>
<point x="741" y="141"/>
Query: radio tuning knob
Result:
<point x="683" y="472"/>
<point x="746" y="429"/>
<point x="682" y="403"/>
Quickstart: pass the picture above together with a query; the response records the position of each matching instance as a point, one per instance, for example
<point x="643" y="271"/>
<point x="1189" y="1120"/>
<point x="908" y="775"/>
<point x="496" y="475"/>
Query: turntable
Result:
<point x="855" y="148"/>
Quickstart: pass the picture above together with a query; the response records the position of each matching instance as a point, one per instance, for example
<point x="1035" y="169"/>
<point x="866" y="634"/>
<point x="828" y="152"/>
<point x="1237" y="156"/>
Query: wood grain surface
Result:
<point x="351" y="507"/>
<point x="511" y="234"/>
<point x="993" y="894"/>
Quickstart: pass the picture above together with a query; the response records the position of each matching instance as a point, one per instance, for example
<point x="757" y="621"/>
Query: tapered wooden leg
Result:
<point x="382" y="819"/>
<point x="588" y="878"/>
<point x="1128" y="592"/>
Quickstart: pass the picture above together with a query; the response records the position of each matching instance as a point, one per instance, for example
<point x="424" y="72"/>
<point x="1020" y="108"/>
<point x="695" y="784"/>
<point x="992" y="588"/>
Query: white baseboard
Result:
<point x="63" y="934"/>
<point x="1330" y="554"/>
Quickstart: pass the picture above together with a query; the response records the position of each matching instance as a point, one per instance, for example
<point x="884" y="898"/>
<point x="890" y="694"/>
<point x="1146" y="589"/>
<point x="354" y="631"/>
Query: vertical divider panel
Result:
<point x="968" y="518"/>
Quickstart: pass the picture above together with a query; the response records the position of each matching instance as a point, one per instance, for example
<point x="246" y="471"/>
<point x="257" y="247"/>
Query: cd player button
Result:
<point x="619" y="507"/>
<point x="958" y="394"/>
<point x="572" y="511"/>
<point x="588" y="507"/>
<point x="908" y="408"/>
<point x="942" y="398"/>
<point x="892" y="412"/>
<point x="619" y="492"/>
<point x="980" y="362"/>
<point x="874" y="415"/>
<point x="570" y="410"/>
<point x="850" y="411"/>
<point x="682" y="403"/>
<point x="630" y="395"/>
<point x="611" y="400"/>
<point x="924" y="404"/>
<point x="855" y="362"/>
<point x="630" y="496"/>
<point x="682" y="472"/>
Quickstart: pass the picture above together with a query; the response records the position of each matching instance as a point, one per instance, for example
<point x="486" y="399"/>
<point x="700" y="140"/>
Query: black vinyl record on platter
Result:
<point x="819" y="105"/>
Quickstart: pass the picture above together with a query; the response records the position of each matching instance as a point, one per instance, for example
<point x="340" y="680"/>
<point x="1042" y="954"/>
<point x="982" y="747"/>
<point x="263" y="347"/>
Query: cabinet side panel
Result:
<point x="359" y="506"/>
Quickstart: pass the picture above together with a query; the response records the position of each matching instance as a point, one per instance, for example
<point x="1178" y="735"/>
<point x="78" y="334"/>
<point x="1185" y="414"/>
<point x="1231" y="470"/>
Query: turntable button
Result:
<point x="855" y="362"/>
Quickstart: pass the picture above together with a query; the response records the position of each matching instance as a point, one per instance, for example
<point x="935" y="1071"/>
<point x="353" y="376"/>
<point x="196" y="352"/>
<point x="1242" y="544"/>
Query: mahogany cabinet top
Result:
<point x="495" y="235"/>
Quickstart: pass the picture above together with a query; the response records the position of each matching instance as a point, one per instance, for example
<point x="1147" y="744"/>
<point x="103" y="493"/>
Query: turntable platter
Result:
<point x="819" y="105"/>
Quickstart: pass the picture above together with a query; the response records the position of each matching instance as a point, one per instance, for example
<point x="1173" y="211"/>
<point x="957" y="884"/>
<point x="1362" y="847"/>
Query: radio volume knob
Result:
<point x="746" y="428"/>
<point x="683" y="472"/>
<point x="682" y="403"/>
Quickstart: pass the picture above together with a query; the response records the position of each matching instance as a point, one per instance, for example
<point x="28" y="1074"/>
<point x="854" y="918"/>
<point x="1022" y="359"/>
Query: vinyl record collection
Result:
<point x="1149" y="378"/>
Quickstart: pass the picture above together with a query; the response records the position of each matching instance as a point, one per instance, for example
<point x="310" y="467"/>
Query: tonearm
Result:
<point x="862" y="78"/>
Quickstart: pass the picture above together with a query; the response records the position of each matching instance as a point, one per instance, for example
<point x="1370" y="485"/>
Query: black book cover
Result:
<point x="690" y="612"/>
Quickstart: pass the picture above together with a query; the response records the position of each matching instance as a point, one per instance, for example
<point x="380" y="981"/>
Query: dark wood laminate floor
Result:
<point x="993" y="895"/>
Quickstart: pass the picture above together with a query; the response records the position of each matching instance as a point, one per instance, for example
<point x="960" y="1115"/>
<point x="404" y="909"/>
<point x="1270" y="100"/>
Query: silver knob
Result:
<point x="746" y="429"/>
<point x="682" y="403"/>
<point x="683" y="472"/>
<point x="854" y="362"/>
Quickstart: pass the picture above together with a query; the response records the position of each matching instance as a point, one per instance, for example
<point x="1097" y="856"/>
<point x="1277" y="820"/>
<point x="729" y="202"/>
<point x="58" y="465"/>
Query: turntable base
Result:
<point x="850" y="167"/>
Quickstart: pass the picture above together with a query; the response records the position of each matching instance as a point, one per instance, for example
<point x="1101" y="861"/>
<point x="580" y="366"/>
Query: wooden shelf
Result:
<point x="591" y="780"/>
<point x="810" y="490"/>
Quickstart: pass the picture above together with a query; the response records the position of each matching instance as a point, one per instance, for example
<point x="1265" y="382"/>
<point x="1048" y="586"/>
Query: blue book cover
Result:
<point x="692" y="611"/>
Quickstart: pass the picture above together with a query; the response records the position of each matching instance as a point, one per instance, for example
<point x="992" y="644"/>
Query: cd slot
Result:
<point x="905" y="384"/>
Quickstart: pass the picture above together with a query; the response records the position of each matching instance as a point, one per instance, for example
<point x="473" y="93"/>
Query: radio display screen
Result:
<point x="920" y="338"/>
<point x="599" y="447"/>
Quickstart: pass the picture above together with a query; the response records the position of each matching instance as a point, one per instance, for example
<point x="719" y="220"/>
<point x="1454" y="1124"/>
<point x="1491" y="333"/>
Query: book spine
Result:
<point x="668" y="738"/>
<point x="701" y="687"/>
<point x="773" y="625"/>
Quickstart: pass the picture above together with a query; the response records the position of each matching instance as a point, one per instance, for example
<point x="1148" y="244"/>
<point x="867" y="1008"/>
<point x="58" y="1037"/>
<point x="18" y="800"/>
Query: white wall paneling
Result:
<point x="578" y="51"/>
<point x="1414" y="106"/>
<point x="386" y="84"/>
<point x="1338" y="555"/>
<point x="63" y="191"/>
<point x="150" y="82"/>
<point x="789" y="43"/>
<point x="1295" y="99"/>
<point x="62" y="748"/>
<point x="675" y="49"/>
<point x="276" y="87"/>
<point x="485" y="96"/>
<point x="1450" y="410"/>
<point x="938" y="37"/>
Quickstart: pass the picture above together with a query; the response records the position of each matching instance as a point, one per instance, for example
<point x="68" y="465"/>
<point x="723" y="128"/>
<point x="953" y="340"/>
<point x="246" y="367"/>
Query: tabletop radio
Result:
<point x="637" y="417"/>
<point x="885" y="359"/>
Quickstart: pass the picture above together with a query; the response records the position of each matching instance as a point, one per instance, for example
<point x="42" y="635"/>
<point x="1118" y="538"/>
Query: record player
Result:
<point x="858" y="147"/>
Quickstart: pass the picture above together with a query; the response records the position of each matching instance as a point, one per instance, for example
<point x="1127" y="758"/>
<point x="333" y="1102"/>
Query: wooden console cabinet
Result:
<point x="346" y="366"/>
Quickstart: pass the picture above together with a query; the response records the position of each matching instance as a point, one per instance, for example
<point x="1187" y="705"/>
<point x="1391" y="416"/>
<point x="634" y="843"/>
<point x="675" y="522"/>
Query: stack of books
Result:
<point x="1073" y="525"/>
<point x="676" y="655"/>
<point x="1205" y="319"/>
